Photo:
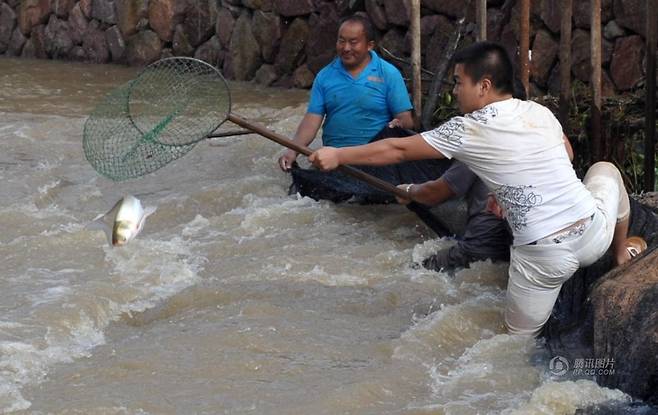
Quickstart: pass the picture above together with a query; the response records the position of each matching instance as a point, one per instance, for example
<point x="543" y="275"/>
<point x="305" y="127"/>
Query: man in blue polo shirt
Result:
<point x="356" y="95"/>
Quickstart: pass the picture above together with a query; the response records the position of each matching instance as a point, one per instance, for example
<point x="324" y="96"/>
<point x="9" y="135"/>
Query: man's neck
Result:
<point x="496" y="98"/>
<point x="356" y="71"/>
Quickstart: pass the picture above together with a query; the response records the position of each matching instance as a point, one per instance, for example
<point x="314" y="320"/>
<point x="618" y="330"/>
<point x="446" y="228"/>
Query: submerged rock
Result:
<point x="611" y="314"/>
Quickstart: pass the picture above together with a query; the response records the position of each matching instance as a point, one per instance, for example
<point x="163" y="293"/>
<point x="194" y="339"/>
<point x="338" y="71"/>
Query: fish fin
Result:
<point x="99" y="223"/>
<point x="149" y="211"/>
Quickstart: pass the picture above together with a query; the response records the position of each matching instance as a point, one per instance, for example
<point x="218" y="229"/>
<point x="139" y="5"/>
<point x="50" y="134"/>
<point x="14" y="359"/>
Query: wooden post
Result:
<point x="565" y="63"/>
<point x="481" y="17"/>
<point x="524" y="45"/>
<point x="650" y="119"/>
<point x="415" y="61"/>
<point x="597" y="153"/>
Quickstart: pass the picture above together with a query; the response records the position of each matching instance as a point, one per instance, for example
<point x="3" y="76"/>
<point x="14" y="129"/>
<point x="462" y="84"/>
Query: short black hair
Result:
<point x="490" y="60"/>
<point x="368" y="28"/>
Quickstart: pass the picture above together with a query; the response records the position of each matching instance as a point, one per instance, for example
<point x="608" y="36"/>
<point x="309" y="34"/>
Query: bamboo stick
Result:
<point x="565" y="63"/>
<point x="415" y="61"/>
<point x="481" y="17"/>
<point x="524" y="46"/>
<point x="597" y="150"/>
<point x="650" y="119"/>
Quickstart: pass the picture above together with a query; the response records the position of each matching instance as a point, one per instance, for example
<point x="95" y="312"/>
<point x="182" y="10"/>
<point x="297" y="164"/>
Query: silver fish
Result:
<point x="123" y="222"/>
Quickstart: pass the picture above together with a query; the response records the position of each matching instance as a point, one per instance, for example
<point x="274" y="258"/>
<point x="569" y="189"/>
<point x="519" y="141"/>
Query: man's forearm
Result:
<point x="378" y="153"/>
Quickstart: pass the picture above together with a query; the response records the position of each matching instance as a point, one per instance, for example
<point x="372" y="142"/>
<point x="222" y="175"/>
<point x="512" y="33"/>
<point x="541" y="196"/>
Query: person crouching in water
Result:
<point x="518" y="150"/>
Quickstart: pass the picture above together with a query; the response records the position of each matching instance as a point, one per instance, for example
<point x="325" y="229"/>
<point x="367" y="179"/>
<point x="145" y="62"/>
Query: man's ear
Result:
<point x="371" y="45"/>
<point x="486" y="85"/>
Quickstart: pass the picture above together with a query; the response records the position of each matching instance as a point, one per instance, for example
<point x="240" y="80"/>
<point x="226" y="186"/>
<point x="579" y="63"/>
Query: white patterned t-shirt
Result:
<point x="517" y="149"/>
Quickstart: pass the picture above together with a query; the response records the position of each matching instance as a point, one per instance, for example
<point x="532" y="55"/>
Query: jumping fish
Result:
<point x="123" y="222"/>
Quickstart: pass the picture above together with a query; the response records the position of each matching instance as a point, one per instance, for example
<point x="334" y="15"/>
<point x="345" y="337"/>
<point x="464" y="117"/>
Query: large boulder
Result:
<point x="129" y="13"/>
<point x="551" y="14"/>
<point x="292" y="8"/>
<point x="267" y="31"/>
<point x="266" y="75"/>
<point x="264" y="5"/>
<point x="323" y="31"/>
<point x="452" y="8"/>
<point x="181" y="45"/>
<point x="224" y="27"/>
<point x="581" y="64"/>
<point x="200" y="19"/>
<point x="631" y="14"/>
<point x="32" y="13"/>
<point x="62" y="8"/>
<point x="7" y="25"/>
<point x="164" y="16"/>
<point x="626" y="66"/>
<point x="397" y="12"/>
<point x="211" y="52"/>
<point x="626" y="326"/>
<point x="85" y="7"/>
<point x="582" y="13"/>
<point x="37" y="44"/>
<point x="291" y="52"/>
<point x="104" y="11"/>
<point x="544" y="54"/>
<point x="78" y="24"/>
<point x="115" y="43"/>
<point x="613" y="315"/>
<point x="303" y="77"/>
<point x="16" y="43"/>
<point x="143" y="48"/>
<point x="394" y="42"/>
<point x="377" y="14"/>
<point x="58" y="40"/>
<point x="433" y="50"/>
<point x="244" y="50"/>
<point x="94" y="44"/>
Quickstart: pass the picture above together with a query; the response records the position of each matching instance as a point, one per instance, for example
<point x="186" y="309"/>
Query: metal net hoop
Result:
<point x="156" y="118"/>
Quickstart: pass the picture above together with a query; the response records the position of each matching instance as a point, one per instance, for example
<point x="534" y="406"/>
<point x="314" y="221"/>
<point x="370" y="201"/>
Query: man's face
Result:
<point x="352" y="46"/>
<point x="467" y="92"/>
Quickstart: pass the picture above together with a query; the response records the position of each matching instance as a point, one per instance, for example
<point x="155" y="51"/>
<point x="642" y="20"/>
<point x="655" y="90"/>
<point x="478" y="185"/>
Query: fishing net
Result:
<point x="156" y="118"/>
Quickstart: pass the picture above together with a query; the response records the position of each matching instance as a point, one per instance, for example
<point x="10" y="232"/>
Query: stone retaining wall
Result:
<point x="286" y="42"/>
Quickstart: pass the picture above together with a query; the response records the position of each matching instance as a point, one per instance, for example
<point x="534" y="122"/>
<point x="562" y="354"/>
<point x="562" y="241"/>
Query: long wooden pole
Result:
<point x="565" y="63"/>
<point x="596" y="79"/>
<point x="481" y="17"/>
<point x="524" y="46"/>
<point x="286" y="142"/>
<point x="415" y="62"/>
<point x="650" y="119"/>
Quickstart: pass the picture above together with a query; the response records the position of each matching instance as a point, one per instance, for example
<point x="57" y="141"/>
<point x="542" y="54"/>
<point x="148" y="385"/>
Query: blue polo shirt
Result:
<point x="356" y="109"/>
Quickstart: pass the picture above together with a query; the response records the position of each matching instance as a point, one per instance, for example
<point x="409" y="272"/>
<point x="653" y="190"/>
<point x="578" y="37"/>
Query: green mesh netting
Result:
<point x="156" y="118"/>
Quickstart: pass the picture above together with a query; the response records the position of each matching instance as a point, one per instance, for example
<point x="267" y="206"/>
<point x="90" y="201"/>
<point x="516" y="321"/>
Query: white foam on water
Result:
<point x="69" y="311"/>
<point x="565" y="398"/>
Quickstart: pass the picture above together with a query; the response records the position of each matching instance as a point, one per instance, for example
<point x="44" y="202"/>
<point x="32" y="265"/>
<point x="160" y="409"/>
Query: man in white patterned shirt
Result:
<point x="519" y="151"/>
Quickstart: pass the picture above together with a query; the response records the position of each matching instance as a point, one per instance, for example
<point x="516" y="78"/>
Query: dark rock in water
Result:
<point x="58" y="39"/>
<point x="7" y="24"/>
<point x="614" y="315"/>
<point x="617" y="408"/>
<point x="94" y="44"/>
<point x="626" y="326"/>
<point x="115" y="43"/>
<point x="181" y="45"/>
<point x="78" y="24"/>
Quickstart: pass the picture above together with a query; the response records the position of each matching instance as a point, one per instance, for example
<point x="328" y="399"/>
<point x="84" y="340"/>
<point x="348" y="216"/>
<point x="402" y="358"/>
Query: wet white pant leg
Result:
<point x="604" y="182"/>
<point x="536" y="275"/>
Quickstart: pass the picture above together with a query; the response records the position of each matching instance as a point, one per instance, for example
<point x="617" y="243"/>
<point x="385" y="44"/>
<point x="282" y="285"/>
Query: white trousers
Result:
<point x="537" y="272"/>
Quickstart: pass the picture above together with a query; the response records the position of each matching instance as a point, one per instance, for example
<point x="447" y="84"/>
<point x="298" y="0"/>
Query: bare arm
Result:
<point x="429" y="193"/>
<point x="378" y="153"/>
<point x="567" y="144"/>
<point x="405" y="120"/>
<point x="305" y="134"/>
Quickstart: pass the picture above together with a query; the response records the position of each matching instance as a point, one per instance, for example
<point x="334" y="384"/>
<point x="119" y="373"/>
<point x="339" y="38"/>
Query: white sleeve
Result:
<point x="448" y="137"/>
